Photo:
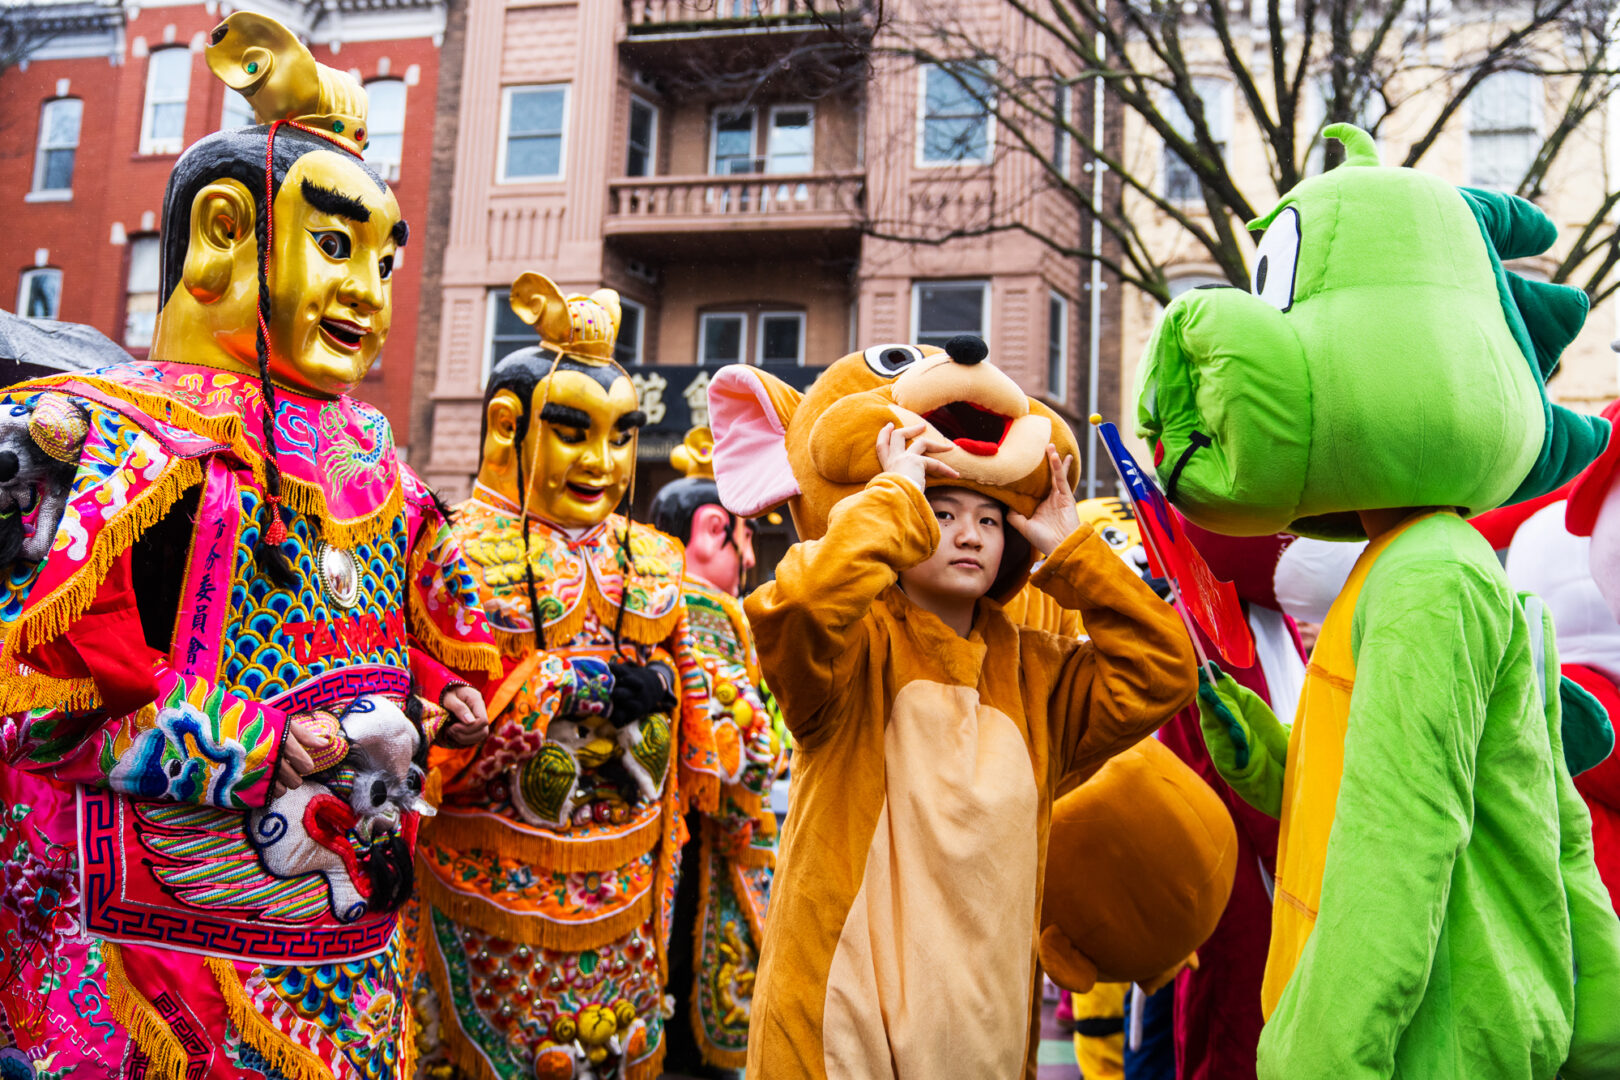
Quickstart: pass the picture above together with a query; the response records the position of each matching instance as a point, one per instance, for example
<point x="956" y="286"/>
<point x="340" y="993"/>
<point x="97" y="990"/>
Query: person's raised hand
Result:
<point x="471" y="723"/>
<point x="296" y="762"/>
<point x="1056" y="517"/>
<point x="904" y="451"/>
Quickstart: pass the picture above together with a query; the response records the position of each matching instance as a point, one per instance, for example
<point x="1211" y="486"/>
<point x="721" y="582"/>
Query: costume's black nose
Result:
<point x="8" y="465"/>
<point x="966" y="349"/>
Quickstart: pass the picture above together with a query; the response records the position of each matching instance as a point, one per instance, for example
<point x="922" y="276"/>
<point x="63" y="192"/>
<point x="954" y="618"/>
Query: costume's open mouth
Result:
<point x="30" y="512"/>
<point x="586" y="494"/>
<point x="344" y="334"/>
<point x="974" y="429"/>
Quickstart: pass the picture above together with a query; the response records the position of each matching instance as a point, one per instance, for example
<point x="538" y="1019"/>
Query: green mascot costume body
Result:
<point x="1437" y="910"/>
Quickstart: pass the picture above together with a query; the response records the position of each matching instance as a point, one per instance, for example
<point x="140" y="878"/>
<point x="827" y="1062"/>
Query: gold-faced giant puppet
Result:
<point x="231" y="621"/>
<point x="815" y="454"/>
<point x="601" y="735"/>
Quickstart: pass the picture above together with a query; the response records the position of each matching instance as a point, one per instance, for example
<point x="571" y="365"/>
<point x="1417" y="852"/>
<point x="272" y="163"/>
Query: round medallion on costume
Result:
<point x="340" y="576"/>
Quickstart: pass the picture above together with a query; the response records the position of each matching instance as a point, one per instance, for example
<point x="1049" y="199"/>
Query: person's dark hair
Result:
<point x="239" y="154"/>
<point x="677" y="501"/>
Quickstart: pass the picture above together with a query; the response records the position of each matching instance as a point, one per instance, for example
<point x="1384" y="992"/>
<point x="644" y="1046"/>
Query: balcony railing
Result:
<point x="757" y="201"/>
<point x="648" y="15"/>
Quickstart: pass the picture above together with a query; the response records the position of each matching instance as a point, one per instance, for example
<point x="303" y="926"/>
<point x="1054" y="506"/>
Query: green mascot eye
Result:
<point x="1276" y="261"/>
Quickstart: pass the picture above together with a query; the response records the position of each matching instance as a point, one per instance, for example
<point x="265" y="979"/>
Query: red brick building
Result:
<point x="93" y="119"/>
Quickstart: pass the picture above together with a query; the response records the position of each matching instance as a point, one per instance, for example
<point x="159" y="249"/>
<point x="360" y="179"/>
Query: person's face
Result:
<point x="332" y="265"/>
<point x="721" y="549"/>
<point x="582" y="446"/>
<point x="971" y="540"/>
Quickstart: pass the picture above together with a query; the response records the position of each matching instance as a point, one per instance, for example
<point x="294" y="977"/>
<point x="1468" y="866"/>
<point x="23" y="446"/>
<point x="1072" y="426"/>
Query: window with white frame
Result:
<point x="1181" y="184"/>
<point x="58" y="146"/>
<point x="141" y="294"/>
<point x="168" y="82"/>
<point x="1057" y="347"/>
<point x="385" y="126"/>
<point x="1062" y="118"/>
<point x="507" y="332"/>
<point x="1369" y="110"/>
<point x="632" y="320"/>
<point x="781" y="338"/>
<point x="790" y="144"/>
<point x="39" y="293"/>
<point x="956" y="121"/>
<point x="534" y="120"/>
<point x="236" y="112"/>
<point x="1504" y="129"/>
<point x="731" y="143"/>
<point x="721" y="336"/>
<point x="643" y="139"/>
<point x="940" y="310"/>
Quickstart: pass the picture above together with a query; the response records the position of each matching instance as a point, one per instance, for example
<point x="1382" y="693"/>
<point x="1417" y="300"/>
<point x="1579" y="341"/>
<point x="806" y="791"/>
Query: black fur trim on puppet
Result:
<point x="392" y="871"/>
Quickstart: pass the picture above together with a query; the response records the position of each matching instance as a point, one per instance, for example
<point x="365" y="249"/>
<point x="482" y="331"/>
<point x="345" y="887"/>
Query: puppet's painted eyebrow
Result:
<point x="565" y="416"/>
<point x="328" y="201"/>
<point x="630" y="420"/>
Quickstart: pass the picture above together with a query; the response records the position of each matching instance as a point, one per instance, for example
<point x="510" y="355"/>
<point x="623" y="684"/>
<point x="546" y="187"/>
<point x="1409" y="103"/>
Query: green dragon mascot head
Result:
<point x="1384" y="359"/>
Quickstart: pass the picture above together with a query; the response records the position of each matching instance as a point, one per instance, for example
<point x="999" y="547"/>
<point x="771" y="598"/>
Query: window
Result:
<point x="168" y="81"/>
<point x="141" y="297"/>
<point x="1369" y="111"/>
<point x="507" y="332"/>
<point x="790" y="143"/>
<point x="1180" y="182"/>
<point x="731" y="147"/>
<point x="39" y="294"/>
<point x="1504" y="129"/>
<point x="643" y="139"/>
<point x="781" y="338"/>
<point x="533" y="121"/>
<point x="237" y="113"/>
<point x="1063" y="116"/>
<point x="720" y="338"/>
<point x="940" y="310"/>
<point x="58" y="145"/>
<point x="385" y="126"/>
<point x="627" y="347"/>
<point x="1057" y="348"/>
<point x="956" y="123"/>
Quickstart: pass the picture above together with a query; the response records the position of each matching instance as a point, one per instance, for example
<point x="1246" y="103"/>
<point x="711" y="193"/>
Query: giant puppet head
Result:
<point x="719" y="544"/>
<point x="1384" y="359"/>
<point x="774" y="447"/>
<point x="323" y="289"/>
<point x="560" y="419"/>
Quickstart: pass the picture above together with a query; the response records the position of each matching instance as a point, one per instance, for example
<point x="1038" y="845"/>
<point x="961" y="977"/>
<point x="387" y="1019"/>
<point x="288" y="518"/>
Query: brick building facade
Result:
<point x="91" y="123"/>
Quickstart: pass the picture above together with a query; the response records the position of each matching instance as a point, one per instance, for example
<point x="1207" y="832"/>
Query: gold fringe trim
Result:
<point x="699" y="790"/>
<point x="641" y="629"/>
<point x="480" y="914"/>
<point x="651" y="1068"/>
<point x="488" y="833"/>
<point x="147" y="1030"/>
<point x="465" y="656"/>
<point x="254" y="1029"/>
<point x="51" y="618"/>
<point x="308" y="499"/>
<point x="515" y="644"/>
<point x="21" y="692"/>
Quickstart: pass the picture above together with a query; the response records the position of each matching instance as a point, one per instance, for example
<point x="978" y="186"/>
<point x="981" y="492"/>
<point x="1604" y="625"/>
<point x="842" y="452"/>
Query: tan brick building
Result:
<point x="718" y="162"/>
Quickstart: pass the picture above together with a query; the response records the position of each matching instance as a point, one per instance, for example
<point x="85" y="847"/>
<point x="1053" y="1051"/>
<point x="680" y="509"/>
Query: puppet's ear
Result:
<point x="1066" y="964"/>
<point x="749" y="412"/>
<point x="538" y="302"/>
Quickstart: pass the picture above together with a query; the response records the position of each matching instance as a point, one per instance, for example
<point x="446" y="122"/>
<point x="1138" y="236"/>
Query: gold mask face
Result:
<point x="581" y="446"/>
<point x="331" y="273"/>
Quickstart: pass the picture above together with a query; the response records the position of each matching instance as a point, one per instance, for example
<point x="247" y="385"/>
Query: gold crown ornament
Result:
<point x="579" y="326"/>
<point x="267" y="64"/>
<point x="695" y="456"/>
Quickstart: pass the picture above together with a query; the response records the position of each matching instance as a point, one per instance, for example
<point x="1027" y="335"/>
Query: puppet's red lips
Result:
<point x="586" y="494"/>
<point x="976" y="430"/>
<point x="346" y="334"/>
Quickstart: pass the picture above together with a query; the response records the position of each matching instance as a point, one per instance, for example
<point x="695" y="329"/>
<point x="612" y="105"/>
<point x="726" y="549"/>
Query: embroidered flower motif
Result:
<point x="591" y="888"/>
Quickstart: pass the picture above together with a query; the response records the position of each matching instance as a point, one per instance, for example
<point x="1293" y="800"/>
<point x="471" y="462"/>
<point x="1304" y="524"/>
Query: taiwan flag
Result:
<point x="1212" y="602"/>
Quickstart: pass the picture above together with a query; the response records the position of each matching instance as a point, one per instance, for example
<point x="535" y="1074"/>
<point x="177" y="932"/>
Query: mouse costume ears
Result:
<point x="583" y="327"/>
<point x="264" y="62"/>
<point x="749" y="411"/>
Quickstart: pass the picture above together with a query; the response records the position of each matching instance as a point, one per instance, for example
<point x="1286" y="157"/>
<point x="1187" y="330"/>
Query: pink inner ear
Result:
<point x="750" y="444"/>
